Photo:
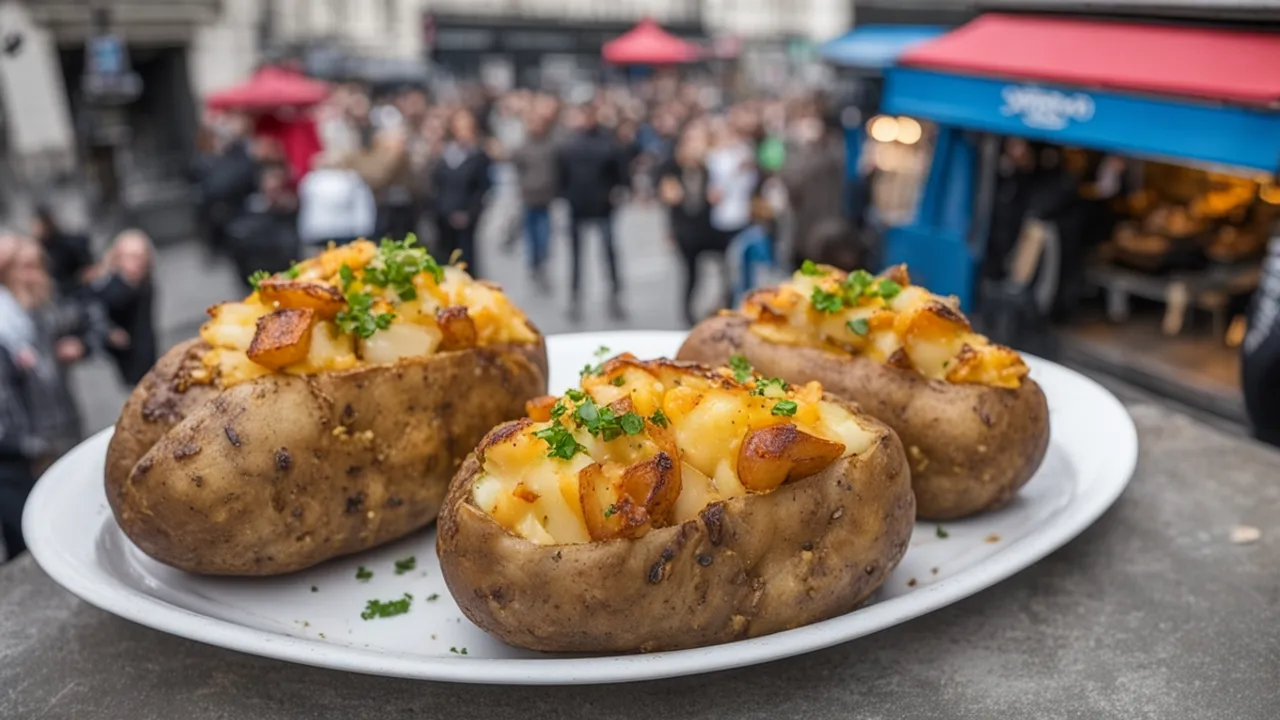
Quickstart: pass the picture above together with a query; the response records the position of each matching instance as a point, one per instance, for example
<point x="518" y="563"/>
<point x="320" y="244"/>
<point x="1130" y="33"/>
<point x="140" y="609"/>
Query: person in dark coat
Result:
<point x="591" y="174"/>
<point x="683" y="186"/>
<point x="126" y="292"/>
<point x="461" y="181"/>
<point x="68" y="256"/>
<point x="1260" y="353"/>
<point x="18" y="450"/>
<point x="225" y="182"/>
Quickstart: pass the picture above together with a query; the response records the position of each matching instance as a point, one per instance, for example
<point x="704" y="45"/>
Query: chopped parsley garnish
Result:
<point x="810" y="268"/>
<point x="602" y="422"/>
<point x="457" y="651"/>
<point x="257" y="277"/>
<point x="632" y="424"/>
<point x="433" y="597"/>
<point x="363" y="574"/>
<point x="359" y="317"/>
<point x="659" y="418"/>
<point x="888" y="289"/>
<point x="315" y="589"/>
<point x="766" y="385"/>
<point x="590" y="369"/>
<point x="346" y="276"/>
<point x="558" y="410"/>
<point x="575" y="395"/>
<point x="858" y="326"/>
<point x="562" y="443"/>
<point x="941" y="532"/>
<point x="741" y="368"/>
<point x="827" y="302"/>
<point x="618" y="381"/>
<point x="784" y="408"/>
<point x="398" y="263"/>
<point x="602" y="351"/>
<point x="855" y="285"/>
<point x="294" y="271"/>
<point x="610" y="511"/>
<point x="405" y="565"/>
<point x="390" y="608"/>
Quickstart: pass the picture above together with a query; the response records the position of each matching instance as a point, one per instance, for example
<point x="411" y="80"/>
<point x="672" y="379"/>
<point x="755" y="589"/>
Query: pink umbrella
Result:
<point x="270" y="87"/>
<point x="648" y="44"/>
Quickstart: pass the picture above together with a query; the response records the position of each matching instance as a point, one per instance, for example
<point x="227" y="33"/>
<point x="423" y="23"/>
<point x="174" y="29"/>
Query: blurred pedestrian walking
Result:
<point x="460" y="182"/>
<point x="683" y="186"/>
<point x="123" y="284"/>
<point x="68" y="255"/>
<point x="591" y="175"/>
<point x="536" y="169"/>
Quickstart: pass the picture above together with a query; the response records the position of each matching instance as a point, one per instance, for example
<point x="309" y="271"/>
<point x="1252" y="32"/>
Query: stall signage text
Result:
<point x="1046" y="109"/>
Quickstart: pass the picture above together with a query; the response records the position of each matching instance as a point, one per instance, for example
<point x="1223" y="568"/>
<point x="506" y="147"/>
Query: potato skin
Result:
<point x="748" y="566"/>
<point x="971" y="447"/>
<point x="283" y="472"/>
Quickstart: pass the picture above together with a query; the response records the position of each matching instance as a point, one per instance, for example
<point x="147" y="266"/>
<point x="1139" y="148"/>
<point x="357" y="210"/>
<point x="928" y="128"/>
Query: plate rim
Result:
<point x="99" y="588"/>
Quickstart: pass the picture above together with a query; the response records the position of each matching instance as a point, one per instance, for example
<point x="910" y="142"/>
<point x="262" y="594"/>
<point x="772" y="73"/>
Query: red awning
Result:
<point x="648" y="44"/>
<point x="1226" y="65"/>
<point x="270" y="87"/>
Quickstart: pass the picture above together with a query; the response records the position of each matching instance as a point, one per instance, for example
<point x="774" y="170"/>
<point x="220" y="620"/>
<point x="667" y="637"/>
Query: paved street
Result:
<point x="189" y="283"/>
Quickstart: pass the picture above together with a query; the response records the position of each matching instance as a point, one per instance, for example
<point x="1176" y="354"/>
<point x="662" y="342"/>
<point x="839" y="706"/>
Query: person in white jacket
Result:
<point x="334" y="205"/>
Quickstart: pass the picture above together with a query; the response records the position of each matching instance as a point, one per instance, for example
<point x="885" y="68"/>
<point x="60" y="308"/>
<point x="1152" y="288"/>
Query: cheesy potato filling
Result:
<point x="651" y="444"/>
<point x="885" y="318"/>
<point x="356" y="305"/>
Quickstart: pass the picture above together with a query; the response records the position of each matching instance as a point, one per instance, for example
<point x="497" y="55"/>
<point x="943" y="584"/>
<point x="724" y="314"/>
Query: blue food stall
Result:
<point x="1193" y="95"/>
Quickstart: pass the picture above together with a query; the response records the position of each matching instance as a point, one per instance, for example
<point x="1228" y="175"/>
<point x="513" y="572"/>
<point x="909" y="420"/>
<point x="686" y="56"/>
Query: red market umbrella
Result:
<point x="648" y="44"/>
<point x="270" y="87"/>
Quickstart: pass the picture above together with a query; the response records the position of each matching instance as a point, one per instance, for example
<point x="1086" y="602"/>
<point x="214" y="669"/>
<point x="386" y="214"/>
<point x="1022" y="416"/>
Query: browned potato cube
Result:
<point x="457" y="328"/>
<point x="773" y="455"/>
<point x="283" y="338"/>
<point x="325" y="300"/>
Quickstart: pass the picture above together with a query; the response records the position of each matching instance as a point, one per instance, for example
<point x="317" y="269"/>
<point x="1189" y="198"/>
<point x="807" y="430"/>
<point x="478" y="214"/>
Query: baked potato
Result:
<point x="974" y="425"/>
<point x="666" y="506"/>
<point x="322" y="415"/>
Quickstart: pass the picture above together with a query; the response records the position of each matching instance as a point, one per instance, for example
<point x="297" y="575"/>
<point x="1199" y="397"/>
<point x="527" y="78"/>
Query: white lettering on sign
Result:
<point x="1046" y="109"/>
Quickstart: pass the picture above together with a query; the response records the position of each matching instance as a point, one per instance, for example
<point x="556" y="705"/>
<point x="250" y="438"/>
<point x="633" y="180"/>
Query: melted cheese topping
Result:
<point x="913" y="329"/>
<point x="708" y="418"/>
<point x="414" y="331"/>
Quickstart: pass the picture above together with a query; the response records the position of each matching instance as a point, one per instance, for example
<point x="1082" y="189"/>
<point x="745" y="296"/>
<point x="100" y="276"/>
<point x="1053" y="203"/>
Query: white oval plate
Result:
<point x="313" y="617"/>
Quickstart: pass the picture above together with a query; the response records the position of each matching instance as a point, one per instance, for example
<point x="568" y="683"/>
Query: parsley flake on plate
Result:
<point x="941" y="532"/>
<point x="385" y="609"/>
<point x="433" y="597"/>
<point x="406" y="564"/>
<point x="363" y="574"/>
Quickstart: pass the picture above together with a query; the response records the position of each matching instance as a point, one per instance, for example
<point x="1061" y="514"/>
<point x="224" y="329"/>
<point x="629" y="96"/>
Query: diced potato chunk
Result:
<point x="282" y="338"/>
<point x="456" y="327"/>
<point x="773" y="455"/>
<point x="325" y="300"/>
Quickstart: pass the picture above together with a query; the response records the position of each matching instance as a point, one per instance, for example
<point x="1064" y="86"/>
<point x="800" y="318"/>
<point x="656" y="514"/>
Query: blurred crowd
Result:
<point x="754" y="185"/>
<point x="58" y="305"/>
<point x="385" y="164"/>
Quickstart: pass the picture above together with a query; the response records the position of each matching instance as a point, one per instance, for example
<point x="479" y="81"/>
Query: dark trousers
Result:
<point x="16" y="482"/>
<point x="537" y="235"/>
<point x="576" y="227"/>
<point x="692" y="248"/>
<point x="463" y="239"/>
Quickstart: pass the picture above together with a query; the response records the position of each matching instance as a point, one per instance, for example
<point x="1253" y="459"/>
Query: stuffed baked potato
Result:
<point x="975" y="426"/>
<point x="669" y="506"/>
<point x="322" y="415"/>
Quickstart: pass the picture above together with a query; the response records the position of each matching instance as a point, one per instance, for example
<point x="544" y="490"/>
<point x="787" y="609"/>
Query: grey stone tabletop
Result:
<point x="1151" y="613"/>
